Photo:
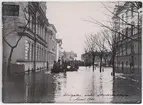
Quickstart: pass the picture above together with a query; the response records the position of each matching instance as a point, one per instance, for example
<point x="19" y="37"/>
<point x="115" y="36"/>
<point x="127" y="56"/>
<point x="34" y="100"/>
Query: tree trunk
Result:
<point x="100" y="63"/>
<point x="93" y="63"/>
<point x="105" y="61"/>
<point x="113" y="64"/>
<point x="9" y="62"/>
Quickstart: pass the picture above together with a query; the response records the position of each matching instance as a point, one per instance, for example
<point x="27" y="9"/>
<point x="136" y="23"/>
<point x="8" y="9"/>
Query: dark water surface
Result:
<point x="83" y="85"/>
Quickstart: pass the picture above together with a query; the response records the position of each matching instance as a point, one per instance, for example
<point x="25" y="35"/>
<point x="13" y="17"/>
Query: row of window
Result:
<point x="126" y="33"/>
<point x="41" y="52"/>
<point x="32" y="22"/>
<point x="123" y="63"/>
<point x="37" y="26"/>
<point x="128" y="14"/>
<point x="42" y="31"/>
<point x="128" y="48"/>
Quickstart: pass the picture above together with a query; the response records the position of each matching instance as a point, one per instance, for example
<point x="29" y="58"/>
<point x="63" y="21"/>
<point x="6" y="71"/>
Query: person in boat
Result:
<point x="64" y="66"/>
<point x="59" y="65"/>
<point x="76" y="66"/>
<point x="72" y="66"/>
<point x="54" y="67"/>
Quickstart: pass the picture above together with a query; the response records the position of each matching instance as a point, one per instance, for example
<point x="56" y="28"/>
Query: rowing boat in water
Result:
<point x="63" y="69"/>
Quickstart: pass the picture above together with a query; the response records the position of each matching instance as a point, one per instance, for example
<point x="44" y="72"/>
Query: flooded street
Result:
<point x="79" y="86"/>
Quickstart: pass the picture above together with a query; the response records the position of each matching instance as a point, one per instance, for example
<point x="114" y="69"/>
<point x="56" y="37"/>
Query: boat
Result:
<point x="72" y="68"/>
<point x="61" y="68"/>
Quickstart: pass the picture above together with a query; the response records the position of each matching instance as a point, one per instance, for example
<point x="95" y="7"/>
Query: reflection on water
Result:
<point x="83" y="85"/>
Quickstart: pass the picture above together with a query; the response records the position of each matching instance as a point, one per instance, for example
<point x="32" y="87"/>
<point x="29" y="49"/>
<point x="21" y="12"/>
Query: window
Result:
<point x="37" y="53"/>
<point x="10" y="10"/>
<point x="129" y="48"/>
<point x="122" y="36"/>
<point x="122" y="64"/>
<point x="126" y="63"/>
<point x="123" y="20"/>
<point x="45" y="55"/>
<point x="127" y="16"/>
<point x="40" y="54"/>
<point x="132" y="47"/>
<point x="126" y="47"/>
<point x="127" y="31"/>
<point x="45" y="34"/>
<point x="29" y="51"/>
<point x="122" y="49"/>
<point x="132" y="30"/>
<point x="33" y="23"/>
<point x="41" y="31"/>
<point x="32" y="52"/>
<point x="136" y="47"/>
<point x="119" y="23"/>
<point x="132" y="11"/>
<point x="26" y="49"/>
<point x="119" y="36"/>
<point x="38" y="31"/>
<point x="30" y="18"/>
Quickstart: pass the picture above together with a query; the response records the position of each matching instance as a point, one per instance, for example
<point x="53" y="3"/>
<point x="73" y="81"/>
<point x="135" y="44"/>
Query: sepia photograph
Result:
<point x="72" y="52"/>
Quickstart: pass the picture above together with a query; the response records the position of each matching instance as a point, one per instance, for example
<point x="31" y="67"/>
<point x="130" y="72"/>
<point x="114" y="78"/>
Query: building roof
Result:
<point x="59" y="40"/>
<point x="53" y="27"/>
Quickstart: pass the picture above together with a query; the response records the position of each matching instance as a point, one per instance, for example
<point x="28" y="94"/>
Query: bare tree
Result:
<point x="96" y="46"/>
<point x="86" y="58"/>
<point x="91" y="48"/>
<point x="110" y="38"/>
<point x="112" y="46"/>
<point x="102" y="47"/>
<point x="11" y="26"/>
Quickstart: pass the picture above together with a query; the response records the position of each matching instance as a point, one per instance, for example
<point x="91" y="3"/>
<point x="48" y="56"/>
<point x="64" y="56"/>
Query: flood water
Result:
<point x="82" y="86"/>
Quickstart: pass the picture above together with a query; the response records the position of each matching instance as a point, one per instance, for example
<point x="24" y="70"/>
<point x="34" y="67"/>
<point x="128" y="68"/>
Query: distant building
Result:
<point x="86" y="59"/>
<point x="106" y="59"/>
<point x="128" y="28"/>
<point x="69" y="56"/>
<point x="37" y="45"/>
<point x="59" y="49"/>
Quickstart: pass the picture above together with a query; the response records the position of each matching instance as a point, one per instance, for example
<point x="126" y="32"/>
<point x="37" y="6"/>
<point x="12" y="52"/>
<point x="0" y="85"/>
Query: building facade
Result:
<point x="59" y="49"/>
<point x="31" y="29"/>
<point x="127" y="35"/>
<point x="52" y="45"/>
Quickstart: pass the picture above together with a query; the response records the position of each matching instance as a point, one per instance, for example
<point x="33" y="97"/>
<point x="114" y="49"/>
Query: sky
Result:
<point x="68" y="18"/>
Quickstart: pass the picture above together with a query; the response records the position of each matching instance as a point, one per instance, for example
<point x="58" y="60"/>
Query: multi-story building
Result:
<point x="26" y="24"/>
<point x="59" y="49"/>
<point x="127" y="35"/>
<point x="52" y="45"/>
